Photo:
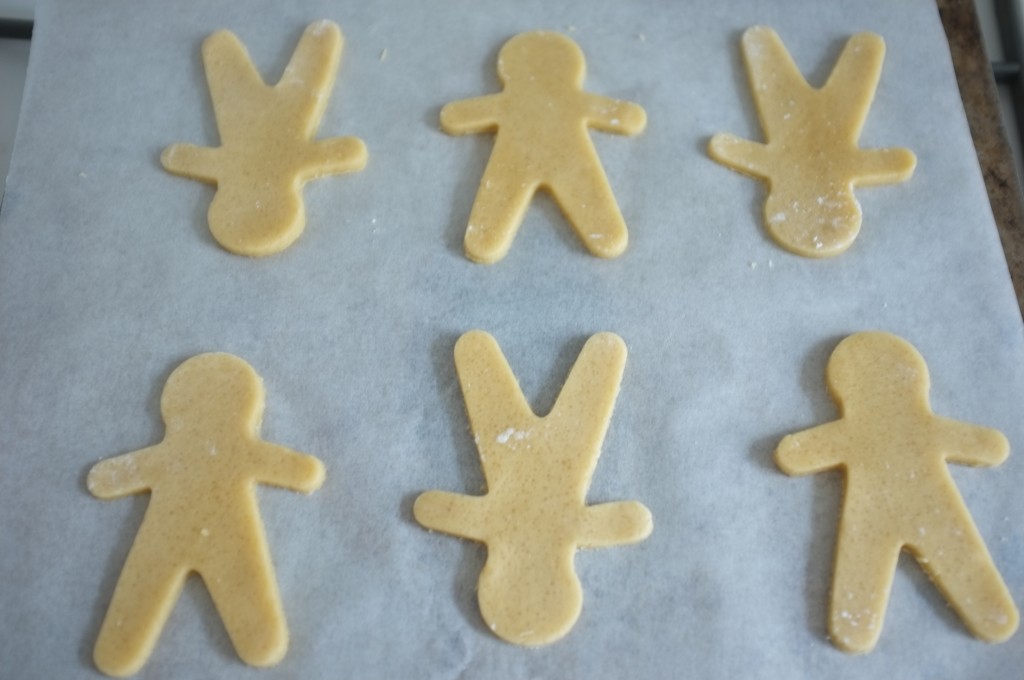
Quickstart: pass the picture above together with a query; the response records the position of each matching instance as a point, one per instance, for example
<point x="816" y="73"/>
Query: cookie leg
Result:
<point x="144" y="596"/>
<point x="861" y="583"/>
<point x="959" y="564"/>
<point x="245" y="593"/>
<point x="589" y="205"/>
<point x="501" y="201"/>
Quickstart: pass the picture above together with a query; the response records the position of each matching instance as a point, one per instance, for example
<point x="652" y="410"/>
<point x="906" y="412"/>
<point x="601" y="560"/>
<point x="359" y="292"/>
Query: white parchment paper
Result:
<point x="109" y="279"/>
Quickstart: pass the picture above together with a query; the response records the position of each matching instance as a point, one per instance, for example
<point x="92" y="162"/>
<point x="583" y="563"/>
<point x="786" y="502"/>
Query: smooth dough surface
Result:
<point x="810" y="157"/>
<point x="202" y="516"/>
<point x="534" y="515"/>
<point x="542" y="116"/>
<point x="267" y="150"/>
<point x="899" y="493"/>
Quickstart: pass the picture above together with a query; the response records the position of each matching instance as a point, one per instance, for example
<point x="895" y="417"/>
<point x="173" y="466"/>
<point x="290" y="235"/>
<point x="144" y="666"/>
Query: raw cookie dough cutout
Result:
<point x="541" y="117"/>
<point x="202" y="516"/>
<point x="267" y="150"/>
<point x="899" y="493"/>
<point x="810" y="157"/>
<point x="534" y="515"/>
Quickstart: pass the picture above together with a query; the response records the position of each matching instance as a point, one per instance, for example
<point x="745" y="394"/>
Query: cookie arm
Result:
<point x="970" y="444"/>
<point x="743" y="155"/>
<point x="122" y="475"/>
<point x="615" y="115"/>
<point x="335" y="155"/>
<point x="814" y="450"/>
<point x="882" y="166"/>
<point x="469" y="116"/>
<point x="288" y="469"/>
<point x="451" y="513"/>
<point x="189" y="160"/>
<point x="610" y="524"/>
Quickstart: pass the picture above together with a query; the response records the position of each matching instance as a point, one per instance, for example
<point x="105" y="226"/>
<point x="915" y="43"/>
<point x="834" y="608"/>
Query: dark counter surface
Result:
<point x="981" y="102"/>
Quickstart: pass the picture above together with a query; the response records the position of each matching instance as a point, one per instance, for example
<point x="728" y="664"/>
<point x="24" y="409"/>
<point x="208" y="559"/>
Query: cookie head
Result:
<point x="874" y="367"/>
<point x="528" y="592"/>
<point x="210" y="389"/>
<point x="257" y="218"/>
<point x="541" y="59"/>
<point x="813" y="215"/>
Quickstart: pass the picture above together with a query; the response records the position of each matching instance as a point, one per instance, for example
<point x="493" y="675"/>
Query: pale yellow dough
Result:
<point x="534" y="515"/>
<point x="202" y="516"/>
<point x="810" y="157"/>
<point x="899" y="493"/>
<point x="267" y="150"/>
<point x="542" y="116"/>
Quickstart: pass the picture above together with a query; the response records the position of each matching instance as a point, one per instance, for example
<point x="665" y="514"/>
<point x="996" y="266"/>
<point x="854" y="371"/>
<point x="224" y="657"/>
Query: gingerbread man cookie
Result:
<point x="202" y="516"/>
<point x="534" y="515"/>
<point x="810" y="157"/>
<point x="541" y="117"/>
<point x="899" y="493"/>
<point x="267" y="150"/>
